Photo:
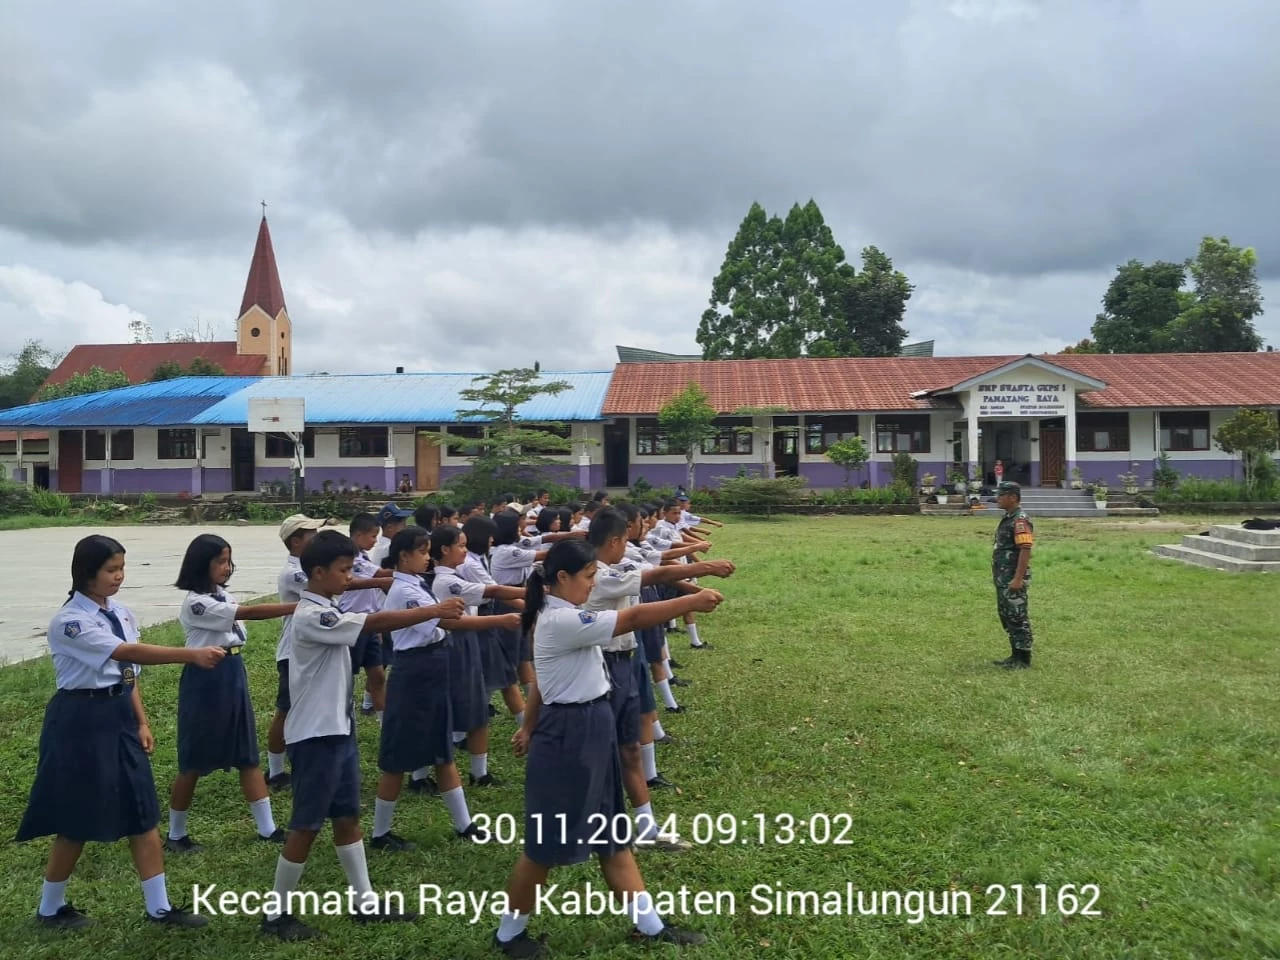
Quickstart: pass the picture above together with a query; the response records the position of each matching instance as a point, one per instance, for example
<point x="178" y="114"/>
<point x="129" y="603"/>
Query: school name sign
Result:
<point x="1022" y="399"/>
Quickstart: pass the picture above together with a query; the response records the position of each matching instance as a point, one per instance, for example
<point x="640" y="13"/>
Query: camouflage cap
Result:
<point x="1008" y="486"/>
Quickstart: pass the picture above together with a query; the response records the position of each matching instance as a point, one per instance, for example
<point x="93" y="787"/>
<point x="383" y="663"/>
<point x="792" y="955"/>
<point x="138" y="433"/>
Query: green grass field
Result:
<point x="851" y="677"/>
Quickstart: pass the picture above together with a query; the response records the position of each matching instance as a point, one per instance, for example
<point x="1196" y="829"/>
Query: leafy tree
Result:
<point x="1084" y="346"/>
<point x="199" y="367"/>
<point x="25" y="371"/>
<point x="94" y="380"/>
<point x="1227" y="297"/>
<point x="1140" y="304"/>
<point x="513" y="451"/>
<point x="850" y="453"/>
<point x="763" y="434"/>
<point x="1253" y="434"/>
<point x="687" y="418"/>
<point x="871" y="304"/>
<point x="169" y="370"/>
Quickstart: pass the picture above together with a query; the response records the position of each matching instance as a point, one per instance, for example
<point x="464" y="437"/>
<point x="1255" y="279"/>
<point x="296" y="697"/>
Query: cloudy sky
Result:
<point x="465" y="185"/>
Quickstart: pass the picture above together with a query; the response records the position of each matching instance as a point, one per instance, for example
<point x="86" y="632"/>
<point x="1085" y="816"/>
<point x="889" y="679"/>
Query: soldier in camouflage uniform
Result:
<point x="1011" y="571"/>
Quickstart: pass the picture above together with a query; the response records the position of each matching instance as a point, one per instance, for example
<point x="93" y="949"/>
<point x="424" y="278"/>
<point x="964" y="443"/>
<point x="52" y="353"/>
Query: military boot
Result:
<point x="1021" y="659"/>
<point x="1008" y="661"/>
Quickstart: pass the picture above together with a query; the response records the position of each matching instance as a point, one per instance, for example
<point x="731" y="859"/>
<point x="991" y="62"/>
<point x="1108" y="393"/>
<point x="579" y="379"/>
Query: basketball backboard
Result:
<point x="276" y="415"/>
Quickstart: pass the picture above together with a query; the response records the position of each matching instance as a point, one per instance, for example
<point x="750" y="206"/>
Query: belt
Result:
<point x="619" y="654"/>
<point x="234" y="651"/>
<point x="115" y="690"/>
<point x="579" y="703"/>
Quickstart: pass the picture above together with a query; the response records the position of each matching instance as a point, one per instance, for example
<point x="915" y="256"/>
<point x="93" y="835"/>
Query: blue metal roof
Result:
<point x="167" y="403"/>
<point x="417" y="398"/>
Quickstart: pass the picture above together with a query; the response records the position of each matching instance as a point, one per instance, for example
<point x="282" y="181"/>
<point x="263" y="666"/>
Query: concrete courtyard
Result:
<point x="35" y="574"/>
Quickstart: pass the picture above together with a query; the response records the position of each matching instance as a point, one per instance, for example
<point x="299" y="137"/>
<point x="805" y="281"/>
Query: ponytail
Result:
<point x="535" y="598"/>
<point x="567" y="556"/>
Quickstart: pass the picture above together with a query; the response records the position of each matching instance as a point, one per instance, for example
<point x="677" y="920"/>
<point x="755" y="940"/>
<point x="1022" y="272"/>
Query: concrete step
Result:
<point x="1038" y="512"/>
<point x="1216" y="561"/>
<point x="1131" y="511"/>
<point x="1232" y="548"/>
<point x="1258" y="538"/>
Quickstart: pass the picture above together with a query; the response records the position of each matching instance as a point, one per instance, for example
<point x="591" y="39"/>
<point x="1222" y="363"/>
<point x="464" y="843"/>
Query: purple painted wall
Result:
<point x="568" y="475"/>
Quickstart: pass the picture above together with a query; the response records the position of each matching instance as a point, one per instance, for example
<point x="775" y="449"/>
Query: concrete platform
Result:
<point x="1229" y="547"/>
<point x="35" y="574"/>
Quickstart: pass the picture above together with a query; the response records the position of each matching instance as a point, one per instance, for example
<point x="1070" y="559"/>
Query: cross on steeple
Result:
<point x="264" y="208"/>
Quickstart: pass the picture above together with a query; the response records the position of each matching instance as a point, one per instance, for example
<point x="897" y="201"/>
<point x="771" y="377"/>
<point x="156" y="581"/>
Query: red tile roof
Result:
<point x="867" y="384"/>
<point x="263" y="287"/>
<point x="139" y="360"/>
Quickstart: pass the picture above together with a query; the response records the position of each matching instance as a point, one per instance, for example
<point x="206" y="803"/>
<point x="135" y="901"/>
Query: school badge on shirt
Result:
<point x="299" y="577"/>
<point x="328" y="619"/>
<point x="128" y="674"/>
<point x="455" y="589"/>
<point x="198" y="609"/>
<point x="587" y="617"/>
<point x="411" y="604"/>
<point x="71" y="629"/>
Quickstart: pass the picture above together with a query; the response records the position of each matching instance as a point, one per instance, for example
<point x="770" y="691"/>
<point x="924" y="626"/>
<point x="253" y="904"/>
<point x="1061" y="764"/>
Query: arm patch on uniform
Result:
<point x="328" y="619"/>
<point x="1022" y="535"/>
<point x="587" y="617"/>
<point x="299" y="577"/>
<point x="71" y="629"/>
<point x="198" y="608"/>
<point x="411" y="604"/>
<point x="455" y="589"/>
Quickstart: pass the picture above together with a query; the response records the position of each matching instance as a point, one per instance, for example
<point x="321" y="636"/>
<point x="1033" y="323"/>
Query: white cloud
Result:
<point x="36" y="305"/>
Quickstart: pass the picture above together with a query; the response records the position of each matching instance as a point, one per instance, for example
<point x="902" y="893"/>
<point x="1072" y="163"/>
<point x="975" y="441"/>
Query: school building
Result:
<point x="1041" y="416"/>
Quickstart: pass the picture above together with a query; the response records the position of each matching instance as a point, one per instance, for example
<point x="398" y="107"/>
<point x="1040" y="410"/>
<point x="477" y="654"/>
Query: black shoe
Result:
<point x="1022" y="659"/>
<point x="675" y="664"/>
<point x="471" y="833"/>
<point x="178" y="917"/>
<point x="281" y="781"/>
<point x="700" y="646"/>
<point x="667" y="739"/>
<point x="280" y="835"/>
<point x="392" y="843"/>
<point x="659" y="782"/>
<point x="1006" y="662"/>
<point x="427" y="786"/>
<point x="672" y="934"/>
<point x="488" y="780"/>
<point x="289" y="928"/>
<point x="493" y="711"/>
<point x="676" y="709"/>
<point x="367" y="711"/>
<point x="182" y="845"/>
<point x="67" y="918"/>
<point x="521" y="946"/>
<point x="677" y="682"/>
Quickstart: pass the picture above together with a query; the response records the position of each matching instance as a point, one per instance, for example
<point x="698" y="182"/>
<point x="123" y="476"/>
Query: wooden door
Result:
<point x="1053" y="456"/>
<point x="243" y="445"/>
<point x="70" y="460"/>
<point x="426" y="462"/>
<point x="617" y="454"/>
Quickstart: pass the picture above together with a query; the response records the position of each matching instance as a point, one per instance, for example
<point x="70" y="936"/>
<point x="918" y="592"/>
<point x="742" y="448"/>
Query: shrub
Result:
<point x="905" y="470"/>
<point x="753" y="493"/>
<point x="1164" y="477"/>
<point x="1199" y="490"/>
<point x="260" y="512"/>
<point x="101" y="510"/>
<point x="49" y="503"/>
<point x="15" y="499"/>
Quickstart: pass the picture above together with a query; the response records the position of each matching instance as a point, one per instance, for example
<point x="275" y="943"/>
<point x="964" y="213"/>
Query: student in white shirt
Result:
<point x="370" y="653"/>
<point x="668" y="528"/>
<point x="392" y="520"/>
<point x="216" y="727"/>
<point x="573" y="779"/>
<point x="320" y="731"/>
<point x="95" y="741"/>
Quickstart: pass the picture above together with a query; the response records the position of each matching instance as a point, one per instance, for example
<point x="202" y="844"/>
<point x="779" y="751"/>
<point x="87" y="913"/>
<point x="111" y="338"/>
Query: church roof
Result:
<point x="263" y="287"/>
<point x="138" y="361"/>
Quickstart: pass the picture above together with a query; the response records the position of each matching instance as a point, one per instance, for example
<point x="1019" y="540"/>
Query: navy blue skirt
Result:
<point x="93" y="780"/>
<point x="644" y="683"/>
<point x="652" y="638"/>
<point x="492" y="662"/>
<point x="282" y="685"/>
<point x="466" y="682"/>
<point x="574" y="771"/>
<point x="216" y="728"/>
<point x="417" y="727"/>
<point x="509" y="646"/>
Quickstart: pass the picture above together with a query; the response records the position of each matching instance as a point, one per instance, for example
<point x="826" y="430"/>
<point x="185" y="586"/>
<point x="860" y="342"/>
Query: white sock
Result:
<point x="275" y="764"/>
<point x="666" y="665"/>
<point x="456" y="801"/>
<point x="262" y="818"/>
<point x="422" y="773"/>
<point x="383" y="811"/>
<point x="658" y="732"/>
<point x="157" y="897"/>
<point x="669" y="698"/>
<point x="671" y="624"/>
<point x="519" y="718"/>
<point x="288" y="874"/>
<point x="646" y="825"/>
<point x="693" y="635"/>
<point x="177" y="824"/>
<point x="378" y="714"/>
<point x="512" y="925"/>
<point x="645" y="916"/>
<point x="355" y="867"/>
<point x="479" y="764"/>
<point x="53" y="897"/>
<point x="367" y="703"/>
<point x="648" y="761"/>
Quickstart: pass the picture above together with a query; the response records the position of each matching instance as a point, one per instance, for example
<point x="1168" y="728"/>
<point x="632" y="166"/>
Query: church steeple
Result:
<point x="264" y="327"/>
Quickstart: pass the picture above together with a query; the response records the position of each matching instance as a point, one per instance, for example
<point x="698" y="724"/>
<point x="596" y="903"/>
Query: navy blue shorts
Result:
<point x="216" y="727"/>
<point x="282" y="685"/>
<point x="417" y="727"/>
<point x="493" y="661"/>
<point x="466" y="682"/>
<point x="624" y="698"/>
<point x="573" y="771"/>
<point x="509" y="648"/>
<point x="326" y="780"/>
<point x="366" y="653"/>
<point x="653" y="639"/>
<point x="93" y="779"/>
<point x="644" y="684"/>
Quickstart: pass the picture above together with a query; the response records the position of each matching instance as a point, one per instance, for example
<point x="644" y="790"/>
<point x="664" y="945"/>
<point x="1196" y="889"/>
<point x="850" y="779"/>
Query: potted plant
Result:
<point x="958" y="480"/>
<point x="1100" y="494"/>
<point x="1077" y="479"/>
<point x="1130" y="480"/>
<point x="927" y="483"/>
<point x="975" y="486"/>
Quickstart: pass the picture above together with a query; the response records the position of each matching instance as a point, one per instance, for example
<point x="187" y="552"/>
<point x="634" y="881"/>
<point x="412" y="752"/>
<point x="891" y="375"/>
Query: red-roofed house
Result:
<point x="1042" y="417"/>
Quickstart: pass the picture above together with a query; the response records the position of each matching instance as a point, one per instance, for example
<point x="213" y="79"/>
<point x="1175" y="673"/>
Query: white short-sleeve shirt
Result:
<point x="363" y="601"/>
<point x="81" y="642"/>
<point x="381" y="547"/>
<point x="616" y="588"/>
<point x="566" y="652"/>
<point x="289" y="586"/>
<point x="450" y="583"/>
<point x="320" y="678"/>
<point x="511" y="564"/>
<point x="688" y="520"/>
<point x="408" y="591"/>
<point x="209" y="620"/>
